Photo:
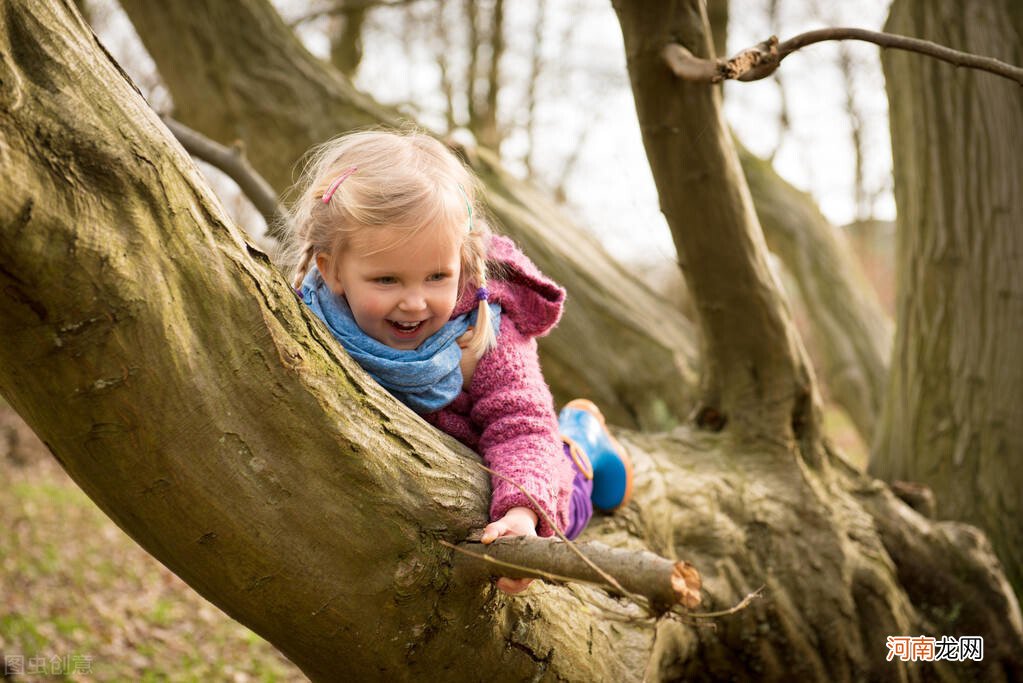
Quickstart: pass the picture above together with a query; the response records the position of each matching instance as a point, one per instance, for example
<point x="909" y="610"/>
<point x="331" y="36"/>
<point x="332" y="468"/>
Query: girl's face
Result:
<point x="401" y="289"/>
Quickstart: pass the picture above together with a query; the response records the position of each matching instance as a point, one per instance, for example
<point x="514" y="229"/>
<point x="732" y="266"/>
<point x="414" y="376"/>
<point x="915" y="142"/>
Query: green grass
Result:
<point x="73" y="584"/>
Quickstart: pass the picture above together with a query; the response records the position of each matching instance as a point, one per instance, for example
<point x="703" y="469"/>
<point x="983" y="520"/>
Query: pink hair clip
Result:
<point x="337" y="183"/>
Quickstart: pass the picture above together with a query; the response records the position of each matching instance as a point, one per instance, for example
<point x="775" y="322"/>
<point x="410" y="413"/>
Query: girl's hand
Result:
<point x="518" y="521"/>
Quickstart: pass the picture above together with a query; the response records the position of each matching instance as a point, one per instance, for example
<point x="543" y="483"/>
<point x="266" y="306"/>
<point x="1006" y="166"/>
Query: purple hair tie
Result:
<point x="482" y="294"/>
<point x="337" y="183"/>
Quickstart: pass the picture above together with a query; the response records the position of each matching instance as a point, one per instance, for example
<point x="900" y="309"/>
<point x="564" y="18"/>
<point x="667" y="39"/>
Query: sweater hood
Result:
<point x="529" y="299"/>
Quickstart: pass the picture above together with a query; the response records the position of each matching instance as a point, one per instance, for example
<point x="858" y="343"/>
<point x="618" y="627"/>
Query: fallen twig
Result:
<point x="742" y="604"/>
<point x="647" y="577"/>
<point x="642" y="575"/>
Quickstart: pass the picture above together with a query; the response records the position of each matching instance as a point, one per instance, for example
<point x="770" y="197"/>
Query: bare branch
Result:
<point x="343" y="8"/>
<point x="232" y="161"/>
<point x="446" y="85"/>
<point x="741" y="605"/>
<point x="536" y="66"/>
<point x="761" y="60"/>
<point x="346" y="48"/>
<point x="489" y="133"/>
<point x="784" y="120"/>
<point x="856" y="124"/>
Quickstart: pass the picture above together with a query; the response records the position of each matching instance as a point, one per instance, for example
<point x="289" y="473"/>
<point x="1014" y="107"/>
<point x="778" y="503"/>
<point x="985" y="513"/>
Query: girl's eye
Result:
<point x="386" y="280"/>
<point x="437" y="277"/>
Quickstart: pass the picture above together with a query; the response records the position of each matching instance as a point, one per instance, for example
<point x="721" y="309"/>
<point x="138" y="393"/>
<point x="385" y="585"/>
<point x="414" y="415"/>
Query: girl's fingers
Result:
<point x="513" y="586"/>
<point x="493" y="531"/>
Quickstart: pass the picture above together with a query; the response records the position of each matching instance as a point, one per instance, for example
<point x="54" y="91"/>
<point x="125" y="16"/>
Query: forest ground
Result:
<point x="75" y="587"/>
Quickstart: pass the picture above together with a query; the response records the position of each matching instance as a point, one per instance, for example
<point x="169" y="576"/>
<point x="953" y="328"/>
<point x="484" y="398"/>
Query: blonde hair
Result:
<point x="404" y="180"/>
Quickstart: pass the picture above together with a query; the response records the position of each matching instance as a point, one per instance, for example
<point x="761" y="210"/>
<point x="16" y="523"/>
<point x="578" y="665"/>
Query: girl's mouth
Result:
<point x="405" y="329"/>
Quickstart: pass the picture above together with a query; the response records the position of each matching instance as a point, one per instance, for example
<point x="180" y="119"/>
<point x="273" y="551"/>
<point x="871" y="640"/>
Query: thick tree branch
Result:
<point x="762" y="59"/>
<point x="756" y="378"/>
<point x="850" y="330"/>
<point x="210" y="416"/>
<point x="232" y="161"/>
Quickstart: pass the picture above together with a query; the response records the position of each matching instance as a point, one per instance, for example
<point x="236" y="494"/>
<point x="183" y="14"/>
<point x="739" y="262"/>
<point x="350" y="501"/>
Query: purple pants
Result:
<point x="580" y="507"/>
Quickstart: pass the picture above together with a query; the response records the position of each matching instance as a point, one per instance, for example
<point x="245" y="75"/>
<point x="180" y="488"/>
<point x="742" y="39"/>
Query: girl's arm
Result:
<point x="514" y="410"/>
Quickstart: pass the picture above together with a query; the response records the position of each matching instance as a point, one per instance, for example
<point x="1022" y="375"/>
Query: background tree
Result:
<point x="951" y="417"/>
<point x="127" y="291"/>
<point x="849" y="331"/>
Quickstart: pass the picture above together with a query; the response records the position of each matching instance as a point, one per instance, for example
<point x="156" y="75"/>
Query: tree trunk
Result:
<point x="952" y="413"/>
<point x="346" y="40"/>
<point x="755" y="371"/>
<point x="851" y="331"/>
<point x="172" y="372"/>
<point x="235" y="71"/>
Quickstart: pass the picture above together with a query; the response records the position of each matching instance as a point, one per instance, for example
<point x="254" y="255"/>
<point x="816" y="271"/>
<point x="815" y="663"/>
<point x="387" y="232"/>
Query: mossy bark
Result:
<point x="756" y="378"/>
<point x="952" y="413"/>
<point x="174" y="375"/>
<point x="236" y="72"/>
<point x="851" y="333"/>
<point x="849" y="330"/>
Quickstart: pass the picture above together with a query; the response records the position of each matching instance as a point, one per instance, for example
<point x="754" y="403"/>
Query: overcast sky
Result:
<point x="584" y="95"/>
<point x="585" y="92"/>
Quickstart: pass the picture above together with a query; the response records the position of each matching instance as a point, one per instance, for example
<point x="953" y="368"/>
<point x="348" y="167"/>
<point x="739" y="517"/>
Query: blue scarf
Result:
<point x="426" y="379"/>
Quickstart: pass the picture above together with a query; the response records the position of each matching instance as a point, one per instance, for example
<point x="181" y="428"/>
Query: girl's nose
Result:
<point x="412" y="300"/>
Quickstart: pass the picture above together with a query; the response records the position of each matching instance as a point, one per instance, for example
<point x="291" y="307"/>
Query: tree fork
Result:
<point x="754" y="365"/>
<point x="180" y="383"/>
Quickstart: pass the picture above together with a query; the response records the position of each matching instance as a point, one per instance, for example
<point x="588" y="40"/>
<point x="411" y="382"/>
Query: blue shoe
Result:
<point x="582" y="424"/>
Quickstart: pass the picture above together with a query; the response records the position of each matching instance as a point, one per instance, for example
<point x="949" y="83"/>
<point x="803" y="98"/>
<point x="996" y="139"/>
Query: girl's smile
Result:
<point x="401" y="288"/>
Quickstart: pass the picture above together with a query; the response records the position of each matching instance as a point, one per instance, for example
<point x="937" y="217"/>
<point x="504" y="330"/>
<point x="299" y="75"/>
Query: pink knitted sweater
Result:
<point x="507" y="414"/>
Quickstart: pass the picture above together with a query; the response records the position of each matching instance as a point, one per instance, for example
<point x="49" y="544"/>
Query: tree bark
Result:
<point x="755" y="372"/>
<point x="346" y="41"/>
<point x="717" y="15"/>
<point x="851" y="332"/>
<point x="235" y="71"/>
<point x="172" y="372"/>
<point x="952" y="413"/>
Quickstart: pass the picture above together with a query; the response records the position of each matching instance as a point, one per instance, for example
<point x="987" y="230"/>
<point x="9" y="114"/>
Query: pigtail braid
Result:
<point x="484" y="337"/>
<point x="303" y="266"/>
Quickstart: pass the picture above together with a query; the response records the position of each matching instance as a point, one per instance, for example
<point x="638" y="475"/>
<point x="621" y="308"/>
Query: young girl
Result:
<point x="394" y="257"/>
